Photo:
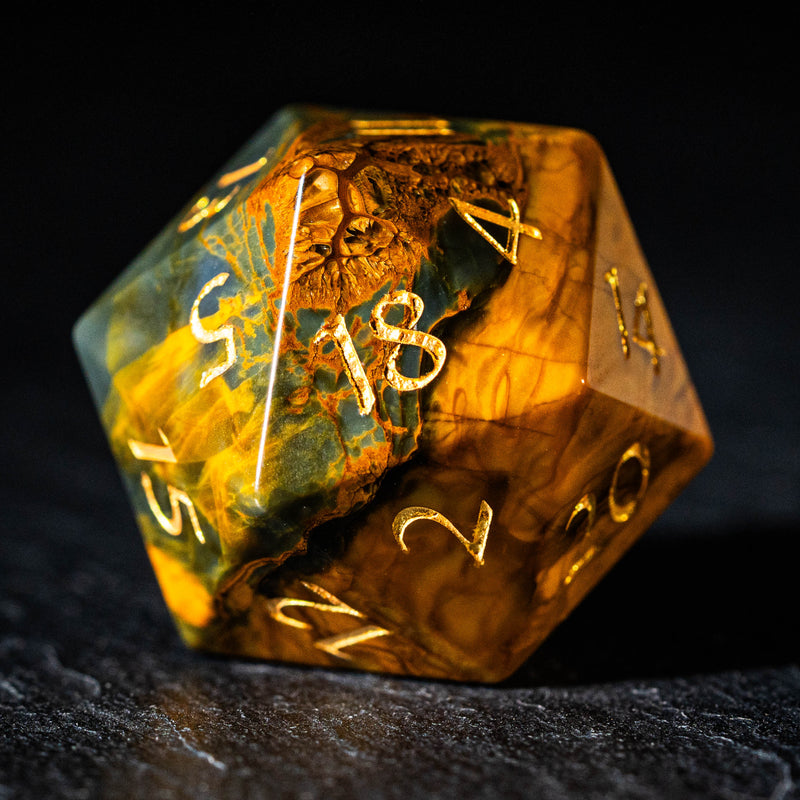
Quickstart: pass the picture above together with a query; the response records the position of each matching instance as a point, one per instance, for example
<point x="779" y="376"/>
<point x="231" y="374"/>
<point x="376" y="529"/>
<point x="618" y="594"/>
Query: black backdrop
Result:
<point x="677" y="677"/>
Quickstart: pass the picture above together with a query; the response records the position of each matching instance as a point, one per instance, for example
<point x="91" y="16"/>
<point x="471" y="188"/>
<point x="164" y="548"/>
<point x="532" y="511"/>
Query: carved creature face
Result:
<point x="350" y="239"/>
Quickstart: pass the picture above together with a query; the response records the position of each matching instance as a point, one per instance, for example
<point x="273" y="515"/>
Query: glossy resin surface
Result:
<point x="393" y="393"/>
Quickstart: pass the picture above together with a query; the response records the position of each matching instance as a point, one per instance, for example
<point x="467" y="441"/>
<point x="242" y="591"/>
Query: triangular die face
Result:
<point x="277" y="448"/>
<point x="652" y="375"/>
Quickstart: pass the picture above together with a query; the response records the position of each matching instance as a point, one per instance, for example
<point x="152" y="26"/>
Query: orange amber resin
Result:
<point x="393" y="393"/>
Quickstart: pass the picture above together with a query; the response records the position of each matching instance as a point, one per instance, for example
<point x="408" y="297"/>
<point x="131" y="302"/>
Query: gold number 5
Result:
<point x="225" y="333"/>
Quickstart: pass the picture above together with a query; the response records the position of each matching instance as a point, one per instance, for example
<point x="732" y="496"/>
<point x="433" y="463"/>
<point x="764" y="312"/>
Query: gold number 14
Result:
<point x="642" y="311"/>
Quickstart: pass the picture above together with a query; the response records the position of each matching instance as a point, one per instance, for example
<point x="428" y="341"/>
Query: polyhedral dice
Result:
<point x="392" y="393"/>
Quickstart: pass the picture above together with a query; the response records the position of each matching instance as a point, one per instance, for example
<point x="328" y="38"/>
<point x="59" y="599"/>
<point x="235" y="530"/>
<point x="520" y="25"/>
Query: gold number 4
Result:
<point x="471" y="214"/>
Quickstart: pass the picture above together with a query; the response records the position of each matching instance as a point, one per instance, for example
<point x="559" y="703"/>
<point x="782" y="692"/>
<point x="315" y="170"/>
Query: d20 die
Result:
<point x="393" y="393"/>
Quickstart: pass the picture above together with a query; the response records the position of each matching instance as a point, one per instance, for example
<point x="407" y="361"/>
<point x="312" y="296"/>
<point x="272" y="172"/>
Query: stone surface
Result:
<point x="683" y="652"/>
<point x="422" y="327"/>
<point x="677" y="678"/>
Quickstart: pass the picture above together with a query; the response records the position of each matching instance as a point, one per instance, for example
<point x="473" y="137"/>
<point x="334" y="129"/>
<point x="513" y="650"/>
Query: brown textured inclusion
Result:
<point x="393" y="393"/>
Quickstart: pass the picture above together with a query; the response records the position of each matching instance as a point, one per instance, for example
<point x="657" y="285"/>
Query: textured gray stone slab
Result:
<point x="676" y="678"/>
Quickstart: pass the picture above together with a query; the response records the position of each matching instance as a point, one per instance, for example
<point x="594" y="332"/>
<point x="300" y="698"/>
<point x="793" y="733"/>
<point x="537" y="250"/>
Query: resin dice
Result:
<point x="393" y="393"/>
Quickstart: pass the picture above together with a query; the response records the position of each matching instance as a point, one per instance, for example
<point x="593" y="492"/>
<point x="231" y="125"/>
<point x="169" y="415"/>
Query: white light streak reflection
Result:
<point x="276" y="347"/>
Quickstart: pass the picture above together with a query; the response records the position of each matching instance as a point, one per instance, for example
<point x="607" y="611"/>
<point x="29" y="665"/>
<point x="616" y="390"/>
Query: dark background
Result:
<point x="678" y="677"/>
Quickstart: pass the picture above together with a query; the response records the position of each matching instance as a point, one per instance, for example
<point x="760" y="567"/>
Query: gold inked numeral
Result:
<point x="207" y="207"/>
<point x="162" y="453"/>
<point x="612" y="279"/>
<point x="153" y="452"/>
<point x="405" y="335"/>
<point x="631" y="479"/>
<point x="622" y="511"/>
<point x="648" y="341"/>
<point x="204" y="208"/>
<point x="401" y="127"/>
<point x="471" y="214"/>
<point x="332" y="645"/>
<point x="240" y="174"/>
<point x="225" y="333"/>
<point x="642" y="310"/>
<point x="480" y="534"/>
<point x="174" y="524"/>
<point x="581" y="520"/>
<point x="395" y="334"/>
<point x="579" y="565"/>
<point x="352" y="363"/>
<point x="579" y="526"/>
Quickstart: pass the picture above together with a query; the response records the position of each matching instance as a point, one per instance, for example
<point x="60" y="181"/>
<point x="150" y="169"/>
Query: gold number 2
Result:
<point x="475" y="547"/>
